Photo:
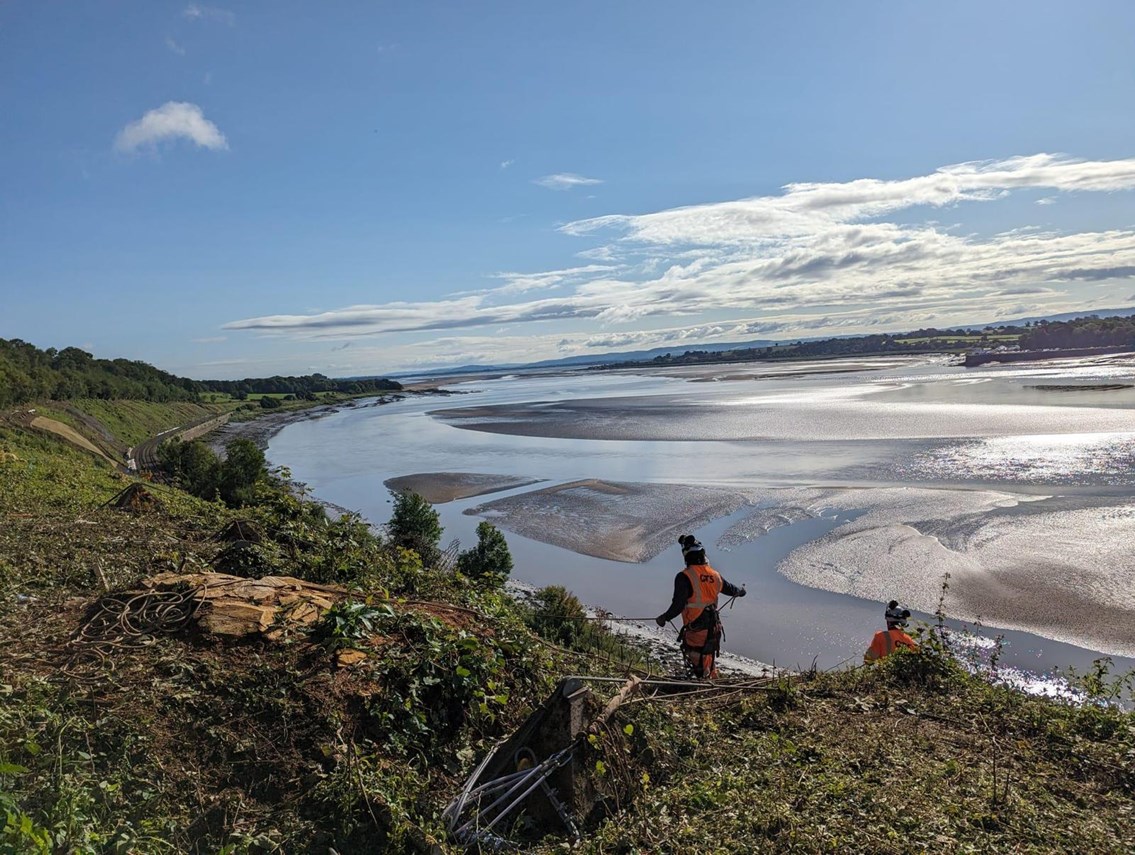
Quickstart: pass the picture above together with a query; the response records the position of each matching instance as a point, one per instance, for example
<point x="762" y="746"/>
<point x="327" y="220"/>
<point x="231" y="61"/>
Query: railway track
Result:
<point x="144" y="455"/>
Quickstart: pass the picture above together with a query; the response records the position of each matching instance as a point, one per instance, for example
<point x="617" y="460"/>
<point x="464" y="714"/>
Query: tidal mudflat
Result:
<point x="616" y="521"/>
<point x="827" y="488"/>
<point x="440" y="487"/>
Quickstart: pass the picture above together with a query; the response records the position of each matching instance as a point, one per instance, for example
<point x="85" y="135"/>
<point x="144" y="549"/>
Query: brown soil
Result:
<point x="70" y="434"/>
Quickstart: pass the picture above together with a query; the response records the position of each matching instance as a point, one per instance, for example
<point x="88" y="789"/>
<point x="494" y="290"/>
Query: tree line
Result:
<point x="305" y="387"/>
<point x="1088" y="331"/>
<point x="28" y="373"/>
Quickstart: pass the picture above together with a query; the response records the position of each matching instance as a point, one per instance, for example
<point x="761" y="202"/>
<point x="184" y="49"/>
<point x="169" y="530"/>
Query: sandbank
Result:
<point x="618" y="521"/>
<point x="437" y="488"/>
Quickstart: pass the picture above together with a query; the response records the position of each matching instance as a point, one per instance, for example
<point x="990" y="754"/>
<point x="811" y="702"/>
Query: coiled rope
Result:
<point x="119" y="623"/>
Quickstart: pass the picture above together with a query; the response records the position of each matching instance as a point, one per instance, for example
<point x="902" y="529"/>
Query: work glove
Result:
<point x="661" y="621"/>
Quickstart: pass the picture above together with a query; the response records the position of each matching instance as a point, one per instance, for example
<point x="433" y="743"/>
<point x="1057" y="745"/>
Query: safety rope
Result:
<point x="130" y="623"/>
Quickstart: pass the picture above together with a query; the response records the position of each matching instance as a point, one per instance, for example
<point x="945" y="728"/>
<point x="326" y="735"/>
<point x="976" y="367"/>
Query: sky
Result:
<point x="253" y="188"/>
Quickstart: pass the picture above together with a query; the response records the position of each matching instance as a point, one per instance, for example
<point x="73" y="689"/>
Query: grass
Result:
<point x="196" y="744"/>
<point x="134" y="421"/>
<point x="1002" y="338"/>
<point x="874" y="761"/>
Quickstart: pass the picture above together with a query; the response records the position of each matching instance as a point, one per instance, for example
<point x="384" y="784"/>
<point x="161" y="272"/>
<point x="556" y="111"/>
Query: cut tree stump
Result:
<point x="237" y="607"/>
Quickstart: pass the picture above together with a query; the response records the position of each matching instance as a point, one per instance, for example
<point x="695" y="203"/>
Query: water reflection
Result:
<point x="890" y="423"/>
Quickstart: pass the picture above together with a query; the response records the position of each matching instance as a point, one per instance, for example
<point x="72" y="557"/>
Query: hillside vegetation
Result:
<point x="1089" y="331"/>
<point x="282" y="742"/>
<point x="28" y="373"/>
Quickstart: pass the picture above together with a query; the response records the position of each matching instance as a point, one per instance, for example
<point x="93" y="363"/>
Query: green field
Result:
<point x="999" y="338"/>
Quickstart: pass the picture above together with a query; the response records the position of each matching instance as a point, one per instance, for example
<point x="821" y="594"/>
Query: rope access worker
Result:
<point x="886" y="642"/>
<point x="696" y="592"/>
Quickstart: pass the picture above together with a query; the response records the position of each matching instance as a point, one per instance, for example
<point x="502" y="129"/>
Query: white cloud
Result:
<point x="198" y="12"/>
<point x="505" y="164"/>
<point x="518" y="283"/>
<point x="1047" y="200"/>
<point x="803" y="209"/>
<point x="172" y="120"/>
<point x="174" y="46"/>
<point x="814" y="257"/>
<point x="565" y="181"/>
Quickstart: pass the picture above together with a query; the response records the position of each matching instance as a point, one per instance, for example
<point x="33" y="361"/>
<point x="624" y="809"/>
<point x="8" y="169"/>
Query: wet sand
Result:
<point x="899" y="543"/>
<point x="616" y="521"/>
<point x="262" y="428"/>
<point x="855" y="412"/>
<point x="437" y="488"/>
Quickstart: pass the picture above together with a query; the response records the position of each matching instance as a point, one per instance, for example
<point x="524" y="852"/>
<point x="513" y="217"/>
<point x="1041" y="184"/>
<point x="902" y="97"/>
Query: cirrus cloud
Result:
<point x="565" y="181"/>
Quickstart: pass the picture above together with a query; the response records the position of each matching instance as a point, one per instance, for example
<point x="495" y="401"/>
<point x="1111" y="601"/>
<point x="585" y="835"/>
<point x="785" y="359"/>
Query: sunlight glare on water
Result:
<point x="1103" y="458"/>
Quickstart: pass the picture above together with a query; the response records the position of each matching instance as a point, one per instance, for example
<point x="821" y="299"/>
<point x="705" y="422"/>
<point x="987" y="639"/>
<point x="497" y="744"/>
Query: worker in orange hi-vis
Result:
<point x="887" y="642"/>
<point x="696" y="593"/>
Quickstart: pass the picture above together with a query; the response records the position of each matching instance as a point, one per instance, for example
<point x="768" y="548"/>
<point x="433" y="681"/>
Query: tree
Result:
<point x="243" y="468"/>
<point x="193" y="465"/>
<point x="490" y="558"/>
<point x="415" y="525"/>
<point x="269" y="403"/>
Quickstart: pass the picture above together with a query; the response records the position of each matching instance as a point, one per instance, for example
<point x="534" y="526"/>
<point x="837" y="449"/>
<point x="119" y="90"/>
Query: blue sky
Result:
<point x="281" y="187"/>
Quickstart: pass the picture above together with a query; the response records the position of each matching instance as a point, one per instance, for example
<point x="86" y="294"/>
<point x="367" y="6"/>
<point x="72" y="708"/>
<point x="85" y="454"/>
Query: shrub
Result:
<point x="490" y="558"/>
<point x="347" y="622"/>
<point x="246" y="559"/>
<point x="415" y="525"/>
<point x="559" y="615"/>
<point x="193" y="465"/>
<point x="243" y="469"/>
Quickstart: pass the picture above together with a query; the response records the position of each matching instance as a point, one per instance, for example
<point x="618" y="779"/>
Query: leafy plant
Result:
<point x="347" y="622"/>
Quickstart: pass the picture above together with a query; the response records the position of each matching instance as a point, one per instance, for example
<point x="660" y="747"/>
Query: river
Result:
<point x="825" y="488"/>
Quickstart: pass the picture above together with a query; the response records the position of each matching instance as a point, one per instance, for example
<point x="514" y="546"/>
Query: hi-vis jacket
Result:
<point x="705" y="588"/>
<point x="885" y="643"/>
<point x="696" y="587"/>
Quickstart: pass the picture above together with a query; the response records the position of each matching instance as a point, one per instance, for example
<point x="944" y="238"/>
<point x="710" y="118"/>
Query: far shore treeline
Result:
<point x="30" y="374"/>
<point x="1089" y="331"/>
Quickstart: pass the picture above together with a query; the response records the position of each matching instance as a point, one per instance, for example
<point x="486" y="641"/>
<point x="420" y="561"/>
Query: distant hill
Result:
<point x="581" y="361"/>
<point x="1066" y="316"/>
<point x="632" y="356"/>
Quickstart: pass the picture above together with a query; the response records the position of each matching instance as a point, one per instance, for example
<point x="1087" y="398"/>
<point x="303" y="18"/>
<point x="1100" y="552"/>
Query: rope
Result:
<point x="131" y="624"/>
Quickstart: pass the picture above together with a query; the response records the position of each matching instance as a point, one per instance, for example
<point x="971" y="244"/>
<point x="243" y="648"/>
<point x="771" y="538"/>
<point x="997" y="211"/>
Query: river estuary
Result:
<point x="826" y="488"/>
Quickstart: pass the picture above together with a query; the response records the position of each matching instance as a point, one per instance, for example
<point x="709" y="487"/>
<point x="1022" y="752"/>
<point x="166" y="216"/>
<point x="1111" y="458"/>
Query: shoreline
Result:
<point x="261" y="428"/>
<point x="903" y="540"/>
<point x="656" y="642"/>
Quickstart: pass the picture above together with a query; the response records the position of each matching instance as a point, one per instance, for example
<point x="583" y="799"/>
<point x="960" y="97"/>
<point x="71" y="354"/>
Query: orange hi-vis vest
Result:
<point x="705" y="584"/>
<point x="885" y="642"/>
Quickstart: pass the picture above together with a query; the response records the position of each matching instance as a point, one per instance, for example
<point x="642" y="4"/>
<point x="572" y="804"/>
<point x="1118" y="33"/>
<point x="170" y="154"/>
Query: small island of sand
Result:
<point x="617" y="521"/>
<point x="437" y="488"/>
